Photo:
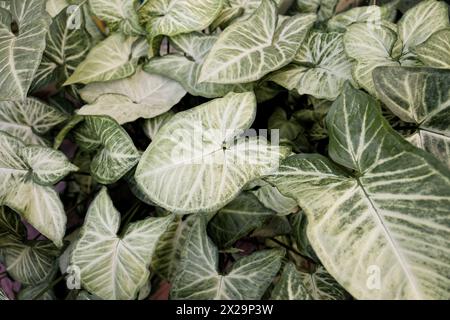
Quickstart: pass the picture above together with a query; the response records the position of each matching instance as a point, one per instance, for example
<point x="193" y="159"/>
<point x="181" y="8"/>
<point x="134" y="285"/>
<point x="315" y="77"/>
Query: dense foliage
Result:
<point x="224" y="149"/>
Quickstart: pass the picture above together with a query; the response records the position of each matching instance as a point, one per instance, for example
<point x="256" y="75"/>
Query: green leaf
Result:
<point x="172" y="17"/>
<point x="142" y="95"/>
<point x="66" y="48"/>
<point x="152" y="126"/>
<point x="27" y="174"/>
<point x="54" y="7"/>
<point x="420" y="96"/>
<point x="3" y="295"/>
<point x="321" y="285"/>
<point x="197" y="163"/>
<point x="115" y="153"/>
<point x="29" y="120"/>
<point x="324" y="9"/>
<point x="435" y="52"/>
<point x="186" y="69"/>
<point x="271" y="198"/>
<point x="420" y="22"/>
<point x="198" y="278"/>
<point x="21" y="51"/>
<point x="270" y="43"/>
<point x="108" y="60"/>
<point x="118" y="15"/>
<point x="113" y="267"/>
<point x="320" y="68"/>
<point x="237" y="219"/>
<point x="381" y="232"/>
<point x="369" y="14"/>
<point x="12" y="229"/>
<point x="290" y="286"/>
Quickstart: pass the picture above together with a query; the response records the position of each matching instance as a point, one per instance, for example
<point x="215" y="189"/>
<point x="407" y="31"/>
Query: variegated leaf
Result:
<point x="420" y="96"/>
<point x="21" y="50"/>
<point x="112" y="266"/>
<point x="290" y="286"/>
<point x="29" y="120"/>
<point x="3" y="295"/>
<point x="324" y="9"/>
<point x="197" y="163"/>
<point x="320" y="285"/>
<point x="109" y="60"/>
<point x="271" y="198"/>
<point x="435" y="52"/>
<point x="66" y="48"/>
<point x="186" y="69"/>
<point x="172" y="17"/>
<point x="115" y="153"/>
<point x="142" y="95"/>
<point x="54" y="7"/>
<point x="118" y="15"/>
<point x="237" y="219"/>
<point x="152" y="126"/>
<point x="320" y="68"/>
<point x="198" y="278"/>
<point x="368" y="14"/>
<point x="271" y="42"/>
<point x="384" y="227"/>
<point x="27" y="174"/>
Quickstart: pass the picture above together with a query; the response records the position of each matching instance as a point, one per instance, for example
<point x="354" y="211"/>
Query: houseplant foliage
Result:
<point x="224" y="149"/>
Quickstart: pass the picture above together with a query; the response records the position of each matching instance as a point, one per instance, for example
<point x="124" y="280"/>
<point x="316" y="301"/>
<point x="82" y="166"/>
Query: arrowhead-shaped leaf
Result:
<point x="114" y="267"/>
<point x="21" y="50"/>
<point x="27" y="174"/>
<point x="197" y="163"/>
<point x="271" y="43"/>
<point x="382" y="231"/>
<point x="198" y="278"/>
<point x="142" y="95"/>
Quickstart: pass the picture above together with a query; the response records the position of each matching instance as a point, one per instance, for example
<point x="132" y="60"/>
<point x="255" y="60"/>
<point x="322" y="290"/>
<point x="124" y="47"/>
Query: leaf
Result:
<point x="21" y="51"/>
<point x="108" y="60"/>
<point x="115" y="153"/>
<point x="115" y="267"/>
<point x="271" y="198"/>
<point x="381" y="232"/>
<point x="152" y="126"/>
<point x="299" y="225"/>
<point x="66" y="48"/>
<point x="369" y="14"/>
<point x="420" y="22"/>
<point x="371" y="46"/>
<point x="290" y="286"/>
<point x="54" y="7"/>
<point x="142" y="95"/>
<point x="197" y="277"/>
<point x="320" y="68"/>
<point x="186" y="70"/>
<point x="420" y="96"/>
<point x="321" y="286"/>
<point x="3" y="295"/>
<point x="270" y="43"/>
<point x="197" y="163"/>
<point x="12" y="229"/>
<point x="237" y="219"/>
<point x="435" y="52"/>
<point x="324" y="9"/>
<point x="29" y="120"/>
<point x="172" y="17"/>
<point x="118" y="15"/>
<point x="27" y="174"/>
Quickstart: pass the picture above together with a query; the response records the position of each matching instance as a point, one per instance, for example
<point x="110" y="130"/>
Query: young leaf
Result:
<point x="172" y="17"/>
<point x="271" y="43"/>
<point x="197" y="163"/>
<point x="237" y="219"/>
<point x="27" y="174"/>
<point x="320" y="68"/>
<point x="29" y="120"/>
<point x="385" y="226"/>
<point x="21" y="50"/>
<point x="108" y="60"/>
<point x="420" y="96"/>
<point x="115" y="153"/>
<point x="118" y="15"/>
<point x="142" y="95"/>
<point x="186" y="70"/>
<point x="66" y="48"/>
<point x="198" y="278"/>
<point x="113" y="267"/>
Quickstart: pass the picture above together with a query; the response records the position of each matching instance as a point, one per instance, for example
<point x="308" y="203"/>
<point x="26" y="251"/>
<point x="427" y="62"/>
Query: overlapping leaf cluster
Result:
<point x="102" y="101"/>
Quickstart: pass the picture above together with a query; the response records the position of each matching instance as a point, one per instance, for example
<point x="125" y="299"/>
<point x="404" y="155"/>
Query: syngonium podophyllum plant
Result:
<point x="127" y="161"/>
